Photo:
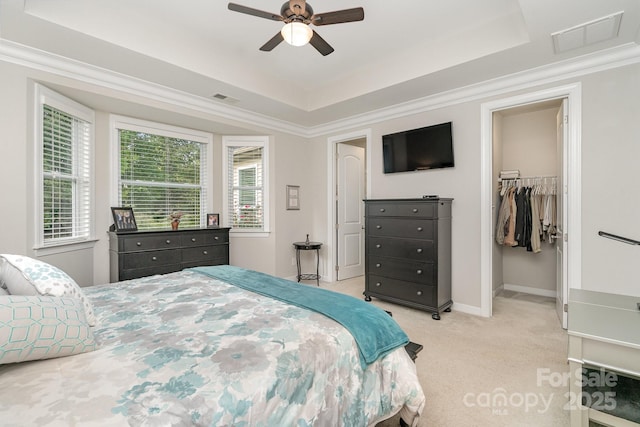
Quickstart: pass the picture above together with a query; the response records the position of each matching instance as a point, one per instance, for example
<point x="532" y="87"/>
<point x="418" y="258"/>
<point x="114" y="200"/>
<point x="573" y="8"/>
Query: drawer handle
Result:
<point x="382" y="209"/>
<point x="168" y="242"/>
<point x="418" y="271"/>
<point x="378" y="246"/>
<point x="419" y="250"/>
<point x="378" y="227"/>
<point x="138" y="243"/>
<point x="154" y="258"/>
<point x="415" y="210"/>
<point x="216" y="238"/>
<point x="419" y="293"/>
<point x="378" y="284"/>
<point x="419" y="228"/>
<point x="378" y="265"/>
<point x="193" y="239"/>
<point x="205" y="252"/>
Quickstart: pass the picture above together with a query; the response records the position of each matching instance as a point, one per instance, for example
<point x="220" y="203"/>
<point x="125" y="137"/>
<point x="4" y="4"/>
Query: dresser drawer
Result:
<point x="205" y="238"/>
<point x="204" y="253"/>
<point x="412" y="271"/>
<point x="411" y="228"/>
<point x="417" y="250"/>
<point x="408" y="291"/>
<point x="145" y="243"/>
<point x="151" y="258"/>
<point x="404" y="209"/>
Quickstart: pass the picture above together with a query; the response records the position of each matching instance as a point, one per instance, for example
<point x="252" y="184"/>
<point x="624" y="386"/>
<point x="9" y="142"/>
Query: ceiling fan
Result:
<point x="297" y="15"/>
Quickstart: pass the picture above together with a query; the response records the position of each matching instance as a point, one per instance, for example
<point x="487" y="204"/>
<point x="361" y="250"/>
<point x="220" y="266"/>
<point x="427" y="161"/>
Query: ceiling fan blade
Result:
<point x="321" y="46"/>
<point x="338" y="17"/>
<point x="254" y="12"/>
<point x="275" y="41"/>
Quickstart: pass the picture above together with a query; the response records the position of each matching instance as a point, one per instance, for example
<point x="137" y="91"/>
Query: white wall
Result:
<point x="610" y="149"/>
<point x="14" y="166"/>
<point x="610" y="181"/>
<point x="289" y="163"/>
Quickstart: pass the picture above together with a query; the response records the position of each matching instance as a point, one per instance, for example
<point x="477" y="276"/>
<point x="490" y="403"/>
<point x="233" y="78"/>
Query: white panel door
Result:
<point x="562" y="291"/>
<point x="350" y="211"/>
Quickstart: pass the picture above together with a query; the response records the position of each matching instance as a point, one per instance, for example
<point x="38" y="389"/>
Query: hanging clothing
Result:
<point x="510" y="237"/>
<point x="505" y="215"/>
<point x="549" y="222"/>
<point x="527" y="214"/>
<point x="503" y="218"/>
<point x="520" y="216"/>
<point x="536" y="225"/>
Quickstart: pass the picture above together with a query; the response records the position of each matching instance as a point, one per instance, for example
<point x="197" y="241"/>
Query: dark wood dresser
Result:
<point x="408" y="252"/>
<point x="145" y="253"/>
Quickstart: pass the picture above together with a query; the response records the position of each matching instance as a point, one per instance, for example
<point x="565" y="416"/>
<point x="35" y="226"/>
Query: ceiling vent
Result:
<point x="596" y="31"/>
<point x="225" y="98"/>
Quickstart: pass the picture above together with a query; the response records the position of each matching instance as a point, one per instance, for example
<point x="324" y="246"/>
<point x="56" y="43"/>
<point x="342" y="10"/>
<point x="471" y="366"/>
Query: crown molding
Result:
<point x="29" y="57"/>
<point x="604" y="60"/>
<point x="58" y="65"/>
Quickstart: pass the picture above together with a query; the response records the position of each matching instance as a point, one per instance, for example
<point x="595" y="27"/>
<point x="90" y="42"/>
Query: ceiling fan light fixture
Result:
<point x="296" y="33"/>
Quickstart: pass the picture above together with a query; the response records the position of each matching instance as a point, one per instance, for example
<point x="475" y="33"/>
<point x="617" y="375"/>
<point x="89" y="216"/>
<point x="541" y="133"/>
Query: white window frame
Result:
<point x="46" y="96"/>
<point x="117" y="122"/>
<point x="246" y="141"/>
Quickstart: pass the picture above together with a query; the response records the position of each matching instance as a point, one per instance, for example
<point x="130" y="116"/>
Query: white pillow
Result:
<point x="22" y="275"/>
<point x="42" y="327"/>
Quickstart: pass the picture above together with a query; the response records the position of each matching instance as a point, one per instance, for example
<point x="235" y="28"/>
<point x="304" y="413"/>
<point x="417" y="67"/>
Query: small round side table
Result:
<point x="308" y="246"/>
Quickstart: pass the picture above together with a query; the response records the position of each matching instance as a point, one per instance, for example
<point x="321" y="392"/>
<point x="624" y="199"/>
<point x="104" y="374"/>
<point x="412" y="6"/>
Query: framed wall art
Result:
<point x="293" y="197"/>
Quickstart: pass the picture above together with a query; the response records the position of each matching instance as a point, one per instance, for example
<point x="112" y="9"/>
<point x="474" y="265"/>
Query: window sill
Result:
<point x="65" y="247"/>
<point x="252" y="234"/>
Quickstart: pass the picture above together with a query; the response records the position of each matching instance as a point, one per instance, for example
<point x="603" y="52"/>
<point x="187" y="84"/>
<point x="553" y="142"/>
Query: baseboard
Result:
<point x="469" y="309"/>
<point x="497" y="290"/>
<point x="530" y="290"/>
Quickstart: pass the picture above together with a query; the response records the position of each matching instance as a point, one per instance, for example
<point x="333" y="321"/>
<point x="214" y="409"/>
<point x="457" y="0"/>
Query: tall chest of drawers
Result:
<point x="144" y="253"/>
<point x="408" y="252"/>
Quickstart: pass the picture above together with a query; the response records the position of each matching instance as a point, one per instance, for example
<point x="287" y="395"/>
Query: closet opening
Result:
<point x="528" y="165"/>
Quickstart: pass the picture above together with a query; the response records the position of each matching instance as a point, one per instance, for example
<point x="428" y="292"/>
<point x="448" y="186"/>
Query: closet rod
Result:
<point x="619" y="238"/>
<point x="527" y="177"/>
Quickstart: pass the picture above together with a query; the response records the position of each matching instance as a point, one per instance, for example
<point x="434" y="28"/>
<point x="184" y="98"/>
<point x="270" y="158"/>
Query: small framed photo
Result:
<point x="123" y="219"/>
<point x="293" y="197"/>
<point x="213" y="220"/>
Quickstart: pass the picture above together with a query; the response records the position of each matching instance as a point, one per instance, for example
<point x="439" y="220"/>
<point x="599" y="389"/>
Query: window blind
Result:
<point x="66" y="176"/>
<point x="246" y="187"/>
<point x="160" y="175"/>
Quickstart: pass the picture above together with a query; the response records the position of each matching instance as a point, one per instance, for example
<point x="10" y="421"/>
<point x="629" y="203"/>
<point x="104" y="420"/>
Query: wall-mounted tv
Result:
<point x="425" y="148"/>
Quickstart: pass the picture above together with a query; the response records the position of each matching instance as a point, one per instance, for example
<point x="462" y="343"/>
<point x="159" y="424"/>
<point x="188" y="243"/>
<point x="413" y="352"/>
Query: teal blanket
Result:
<point x="375" y="332"/>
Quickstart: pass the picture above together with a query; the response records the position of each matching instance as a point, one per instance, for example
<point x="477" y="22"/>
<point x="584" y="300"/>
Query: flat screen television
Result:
<point x="425" y="148"/>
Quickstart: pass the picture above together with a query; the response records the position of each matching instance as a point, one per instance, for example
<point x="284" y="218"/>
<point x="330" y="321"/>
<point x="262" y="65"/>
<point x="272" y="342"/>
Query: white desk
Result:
<point x="604" y="332"/>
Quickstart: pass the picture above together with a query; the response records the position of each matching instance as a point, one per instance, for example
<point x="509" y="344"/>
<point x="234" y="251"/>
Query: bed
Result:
<point x="204" y="347"/>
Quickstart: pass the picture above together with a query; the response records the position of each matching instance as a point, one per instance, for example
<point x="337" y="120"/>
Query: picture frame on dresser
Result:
<point x="124" y="219"/>
<point x="213" y="220"/>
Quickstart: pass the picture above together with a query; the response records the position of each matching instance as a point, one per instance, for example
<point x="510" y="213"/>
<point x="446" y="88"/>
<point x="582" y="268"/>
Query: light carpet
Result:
<point x="508" y="370"/>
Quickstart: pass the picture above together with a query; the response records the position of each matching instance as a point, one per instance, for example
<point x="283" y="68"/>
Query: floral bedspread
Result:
<point x="185" y="349"/>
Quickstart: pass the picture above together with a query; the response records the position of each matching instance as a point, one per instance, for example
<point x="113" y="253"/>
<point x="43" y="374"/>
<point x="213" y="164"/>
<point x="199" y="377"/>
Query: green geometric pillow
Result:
<point x="42" y="327"/>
